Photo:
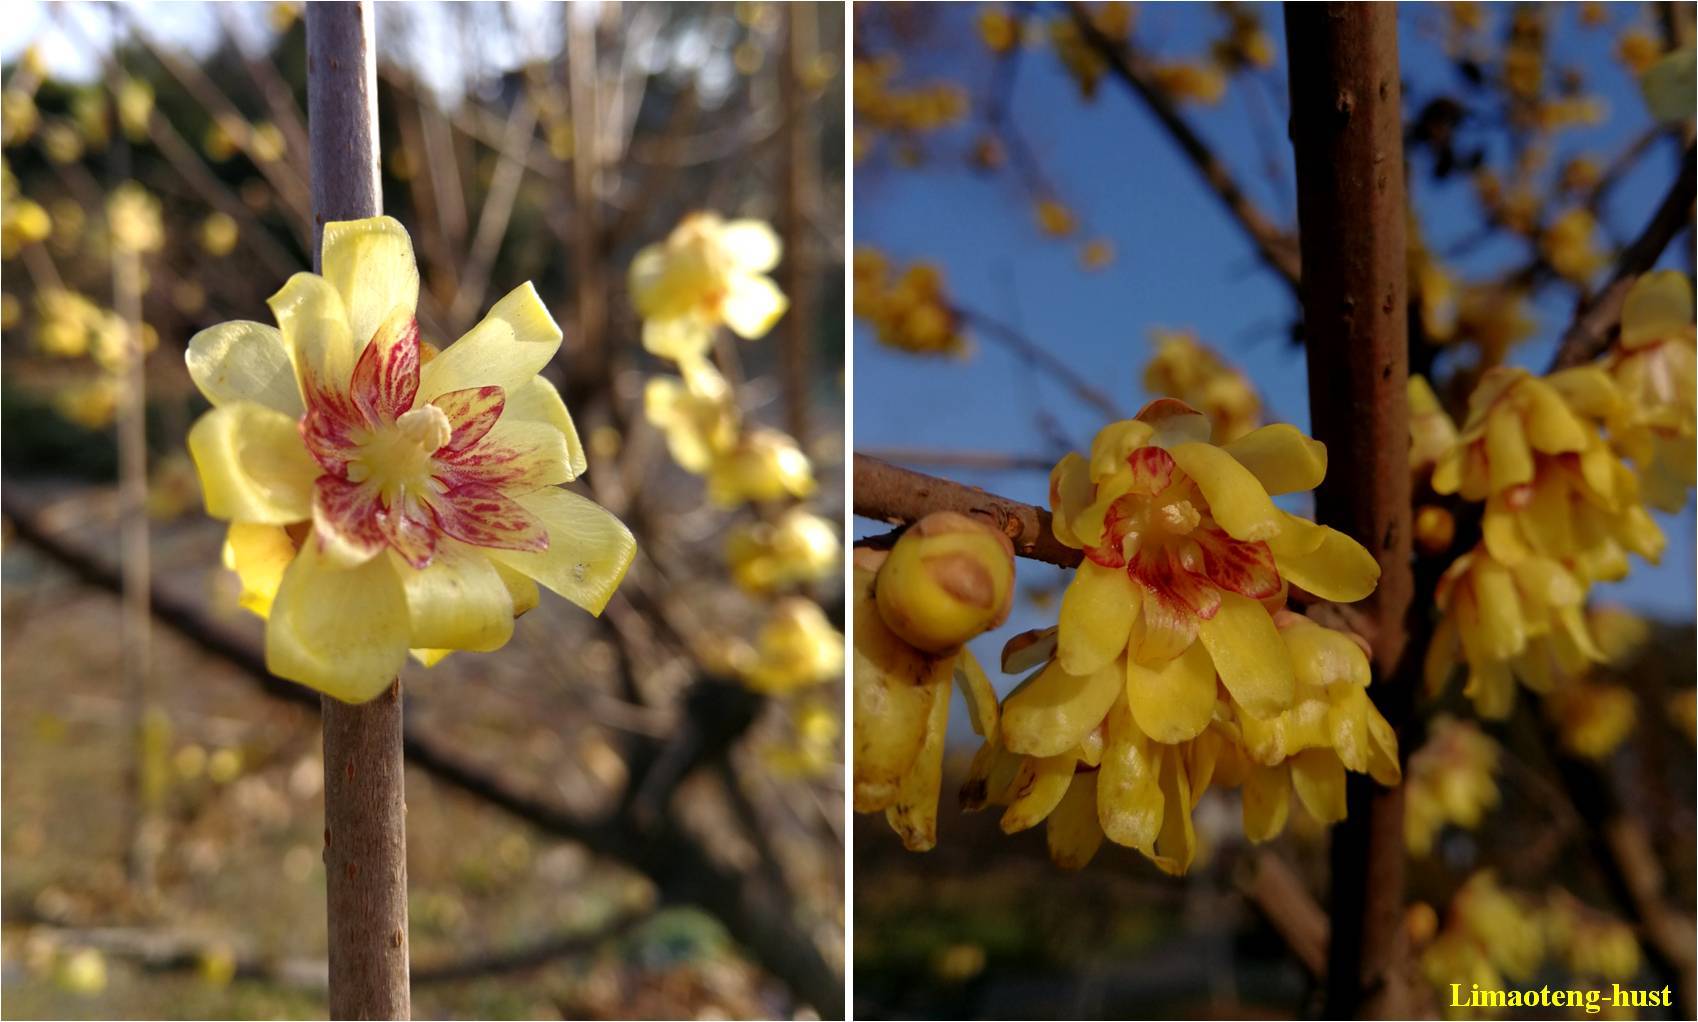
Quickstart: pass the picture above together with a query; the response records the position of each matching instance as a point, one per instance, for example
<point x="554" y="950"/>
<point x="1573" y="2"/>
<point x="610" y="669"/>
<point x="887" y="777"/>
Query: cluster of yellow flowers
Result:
<point x="1452" y="782"/>
<point x="909" y="311"/>
<point x="1491" y="317"/>
<point x="1080" y="59"/>
<point x="1185" y="368"/>
<point x="884" y="108"/>
<point x="710" y="273"/>
<point x="1549" y="458"/>
<point x="385" y="497"/>
<point x="1175" y="664"/>
<point x="1494" y="937"/>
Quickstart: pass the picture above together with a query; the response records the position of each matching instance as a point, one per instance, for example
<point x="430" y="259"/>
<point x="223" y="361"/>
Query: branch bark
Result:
<point x="365" y="812"/>
<point x="796" y="176"/>
<point x="900" y="496"/>
<point x="1348" y="133"/>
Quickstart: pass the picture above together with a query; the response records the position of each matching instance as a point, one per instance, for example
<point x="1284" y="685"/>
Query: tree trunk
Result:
<point x="365" y="813"/>
<point x="1347" y="128"/>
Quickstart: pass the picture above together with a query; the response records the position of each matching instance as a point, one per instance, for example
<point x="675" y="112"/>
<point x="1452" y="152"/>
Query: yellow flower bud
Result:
<point x="1435" y="529"/>
<point x="950" y="577"/>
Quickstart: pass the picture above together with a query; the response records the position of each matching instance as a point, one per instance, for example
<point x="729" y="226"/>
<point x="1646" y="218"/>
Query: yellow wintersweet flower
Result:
<point x="999" y="30"/>
<point x="1507" y="622"/>
<point x="420" y="497"/>
<point x="1653" y="368"/>
<point x="1570" y="245"/>
<point x="697" y="413"/>
<point x="1185" y="368"/>
<point x="91" y="404"/>
<point x="796" y="647"/>
<point x="948" y="579"/>
<point x="1592" y="718"/>
<point x="1494" y="320"/>
<point x="218" y="234"/>
<point x="798" y="547"/>
<point x="1452" y="782"/>
<point x="1490" y="934"/>
<point x="1591" y="943"/>
<point x="910" y="313"/>
<point x="22" y="222"/>
<point x="135" y="106"/>
<point x="1431" y="432"/>
<point x="133" y="217"/>
<point x="1183" y="545"/>
<point x="1190" y="81"/>
<point x="707" y="272"/>
<point x="1055" y="219"/>
<point x="764" y="465"/>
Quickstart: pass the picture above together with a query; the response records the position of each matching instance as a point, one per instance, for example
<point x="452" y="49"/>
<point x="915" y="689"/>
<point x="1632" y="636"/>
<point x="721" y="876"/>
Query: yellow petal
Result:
<point x="678" y="338"/>
<point x="1073" y="834"/>
<point x="1501" y="624"/>
<point x="370" y="264"/>
<point x="1129" y="797"/>
<point x="508" y="347"/>
<point x="1551" y="426"/>
<point x="1339" y="569"/>
<point x="753" y="305"/>
<point x="1041" y="783"/>
<point x="1029" y="649"/>
<point x="1235" y="496"/>
<point x="752" y="244"/>
<point x="588" y="552"/>
<point x="243" y="361"/>
<point x="976" y="689"/>
<point x="315" y="330"/>
<point x="252" y="465"/>
<point x="1096" y="617"/>
<point x="535" y="456"/>
<point x="1174" y="703"/>
<point x="1281" y="458"/>
<point x="1658" y="307"/>
<point x="1053" y="710"/>
<point x="520" y="589"/>
<point x="343" y="633"/>
<point x="1177" y="844"/>
<point x="1322" y="657"/>
<point x="914" y="813"/>
<point x="429" y="657"/>
<point x="1247" y="652"/>
<point x="989" y="777"/>
<point x="1070" y="491"/>
<point x="258" y="554"/>
<point x="1508" y="458"/>
<point x="1318" y="778"/>
<point x="894" y="686"/>
<point x="537" y="400"/>
<point x="1267" y="802"/>
<point x="458" y="601"/>
<point x="1112" y="444"/>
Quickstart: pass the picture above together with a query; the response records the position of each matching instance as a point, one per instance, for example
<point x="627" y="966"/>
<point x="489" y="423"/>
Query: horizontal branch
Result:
<point x="886" y="493"/>
<point x="990" y="461"/>
<point x="1595" y="322"/>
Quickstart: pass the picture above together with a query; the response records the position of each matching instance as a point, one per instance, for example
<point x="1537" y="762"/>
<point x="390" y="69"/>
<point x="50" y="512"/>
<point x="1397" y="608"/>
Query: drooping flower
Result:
<point x="1185" y="368"/>
<point x="697" y="412"/>
<point x="1591" y="943"/>
<point x="798" y="547"/>
<point x="707" y="272"/>
<point x="796" y="647"/>
<point x="1431" y="432"/>
<point x="1653" y="367"/>
<point x="910" y="311"/>
<point x="1489" y="935"/>
<point x="1183" y="545"/>
<point x="1452" y="782"/>
<point x="764" y="465"/>
<point x="948" y="579"/>
<point x="419" y="494"/>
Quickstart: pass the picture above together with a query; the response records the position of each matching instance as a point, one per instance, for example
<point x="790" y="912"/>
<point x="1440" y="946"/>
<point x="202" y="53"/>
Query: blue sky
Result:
<point x="1181" y="262"/>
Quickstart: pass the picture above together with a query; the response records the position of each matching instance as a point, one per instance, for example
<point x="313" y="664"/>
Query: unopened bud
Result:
<point x="1435" y="529"/>
<point x="949" y="578"/>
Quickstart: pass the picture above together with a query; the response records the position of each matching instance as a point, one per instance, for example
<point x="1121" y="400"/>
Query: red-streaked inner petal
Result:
<point x="1152" y="470"/>
<point x="351" y="510"/>
<point x="483" y="516"/>
<point x="410" y="527"/>
<point x="386" y="378"/>
<point x="328" y="429"/>
<point x="1245" y="568"/>
<point x="472" y="413"/>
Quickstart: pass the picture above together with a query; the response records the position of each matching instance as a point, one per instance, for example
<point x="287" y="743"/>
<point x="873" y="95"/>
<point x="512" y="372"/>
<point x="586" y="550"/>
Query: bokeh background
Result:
<point x="598" y="825"/>
<point x="1059" y="214"/>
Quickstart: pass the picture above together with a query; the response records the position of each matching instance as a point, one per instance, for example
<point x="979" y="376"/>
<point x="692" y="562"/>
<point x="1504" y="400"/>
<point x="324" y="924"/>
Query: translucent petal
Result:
<point x="1073" y="833"/>
<point x="1173" y="704"/>
<point x="588" y="551"/>
<point x="342" y="632"/>
<point x="252" y="465"/>
<point x="1281" y="458"/>
<point x="1096" y="616"/>
<point x="678" y="337"/>
<point x="1235" y="496"/>
<point x="1318" y="778"/>
<point x="507" y="348"/>
<point x="752" y="244"/>
<point x="1249" y="655"/>
<point x="982" y="710"/>
<point x="515" y="457"/>
<point x="243" y="361"/>
<point x="370" y="264"/>
<point x="913" y="816"/>
<point x="753" y="305"/>
<point x="315" y="330"/>
<point x="258" y="554"/>
<point x="457" y="602"/>
<point x="1054" y="710"/>
<point x="538" y="400"/>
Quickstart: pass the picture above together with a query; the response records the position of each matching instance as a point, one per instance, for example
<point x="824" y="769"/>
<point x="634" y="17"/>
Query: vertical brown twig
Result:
<point x="365" y="836"/>
<point x="796" y="170"/>
<point x="582" y="94"/>
<point x="1347" y="131"/>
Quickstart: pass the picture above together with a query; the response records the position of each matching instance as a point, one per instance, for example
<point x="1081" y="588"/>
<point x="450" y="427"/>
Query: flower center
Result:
<point x="399" y="456"/>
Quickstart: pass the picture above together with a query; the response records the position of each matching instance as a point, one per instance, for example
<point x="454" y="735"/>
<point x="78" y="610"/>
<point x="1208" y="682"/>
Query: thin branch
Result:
<point x="1595" y="322"/>
<point x="1270" y="885"/>
<point x="1040" y="357"/>
<point x="899" y="496"/>
<point x="1275" y="247"/>
<point x="988" y="461"/>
